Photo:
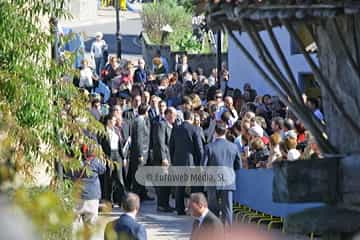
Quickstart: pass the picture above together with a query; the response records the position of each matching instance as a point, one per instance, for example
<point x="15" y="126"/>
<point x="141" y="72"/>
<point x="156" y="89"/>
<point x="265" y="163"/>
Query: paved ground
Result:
<point x="169" y="226"/>
<point x="159" y="226"/>
<point x="105" y="22"/>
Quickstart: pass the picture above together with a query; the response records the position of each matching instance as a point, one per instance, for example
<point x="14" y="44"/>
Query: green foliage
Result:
<point x="189" y="5"/>
<point x="189" y="43"/>
<point x="51" y="209"/>
<point x="155" y="16"/>
<point x="33" y="126"/>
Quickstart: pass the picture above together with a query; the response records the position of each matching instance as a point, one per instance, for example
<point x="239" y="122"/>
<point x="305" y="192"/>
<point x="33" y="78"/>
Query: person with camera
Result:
<point x="88" y="178"/>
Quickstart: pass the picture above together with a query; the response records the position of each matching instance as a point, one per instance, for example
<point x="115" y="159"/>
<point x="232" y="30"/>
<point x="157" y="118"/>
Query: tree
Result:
<point x="33" y="127"/>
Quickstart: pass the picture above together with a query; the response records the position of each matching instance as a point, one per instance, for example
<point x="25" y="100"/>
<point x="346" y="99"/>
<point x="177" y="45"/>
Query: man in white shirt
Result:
<point x="205" y="223"/>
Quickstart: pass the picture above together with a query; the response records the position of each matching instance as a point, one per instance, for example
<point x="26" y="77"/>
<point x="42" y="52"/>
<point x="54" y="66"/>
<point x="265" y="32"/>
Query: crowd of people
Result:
<point x="157" y="117"/>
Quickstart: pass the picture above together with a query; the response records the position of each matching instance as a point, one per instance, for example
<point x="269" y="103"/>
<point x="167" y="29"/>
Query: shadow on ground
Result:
<point x="130" y="44"/>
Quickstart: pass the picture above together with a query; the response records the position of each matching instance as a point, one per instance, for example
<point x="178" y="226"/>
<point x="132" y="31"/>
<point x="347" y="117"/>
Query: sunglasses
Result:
<point x="218" y="96"/>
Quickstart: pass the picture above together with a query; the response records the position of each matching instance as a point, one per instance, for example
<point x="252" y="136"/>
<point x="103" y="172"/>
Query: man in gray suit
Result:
<point x="139" y="150"/>
<point x="206" y="224"/>
<point x="161" y="141"/>
<point x="222" y="153"/>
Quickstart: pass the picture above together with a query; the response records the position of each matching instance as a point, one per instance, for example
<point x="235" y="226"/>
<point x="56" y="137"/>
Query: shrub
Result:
<point x="155" y="16"/>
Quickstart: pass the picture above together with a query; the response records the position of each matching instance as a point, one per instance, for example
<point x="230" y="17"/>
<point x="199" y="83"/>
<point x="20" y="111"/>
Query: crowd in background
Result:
<point x="135" y="103"/>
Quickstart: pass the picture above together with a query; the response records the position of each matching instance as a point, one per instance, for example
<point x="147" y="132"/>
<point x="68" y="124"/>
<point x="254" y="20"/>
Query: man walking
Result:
<point x="186" y="149"/>
<point x="206" y="225"/>
<point x="222" y="153"/>
<point x="139" y="151"/>
<point x="126" y="227"/>
<point x="161" y="151"/>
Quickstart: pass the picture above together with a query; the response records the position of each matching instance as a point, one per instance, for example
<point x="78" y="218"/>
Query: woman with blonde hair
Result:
<point x="274" y="146"/>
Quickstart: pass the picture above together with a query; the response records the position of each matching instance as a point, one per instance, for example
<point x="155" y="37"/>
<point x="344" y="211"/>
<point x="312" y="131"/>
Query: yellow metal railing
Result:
<point x="109" y="3"/>
<point x="106" y="3"/>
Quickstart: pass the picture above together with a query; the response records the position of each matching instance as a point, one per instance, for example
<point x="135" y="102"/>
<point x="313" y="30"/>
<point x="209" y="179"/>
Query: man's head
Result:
<point x="218" y="96"/>
<point x="186" y="103"/>
<point x="154" y="101"/>
<point x="110" y="121"/>
<point x="99" y="36"/>
<point x="220" y="129"/>
<point x="247" y="87"/>
<point x="170" y="115"/>
<point x="229" y="103"/>
<point x="277" y="124"/>
<point x="289" y="124"/>
<point x="189" y="116"/>
<point x="197" y="204"/>
<point x="136" y="101"/>
<point x="131" y="203"/>
<point x="117" y="112"/>
<point x="162" y="107"/>
<point x="266" y="99"/>
<point x="146" y="97"/>
<point x="143" y="109"/>
<point x="141" y="63"/>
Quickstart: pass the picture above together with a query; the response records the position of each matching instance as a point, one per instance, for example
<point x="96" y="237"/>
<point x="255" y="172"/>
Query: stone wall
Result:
<point x="204" y="61"/>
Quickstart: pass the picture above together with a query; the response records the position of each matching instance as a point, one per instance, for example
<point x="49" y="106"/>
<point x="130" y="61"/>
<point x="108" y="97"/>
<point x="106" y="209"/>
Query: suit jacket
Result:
<point x="140" y="139"/>
<point x="105" y="142"/>
<point x="211" y="224"/>
<point x="125" y="228"/>
<point x="209" y="132"/>
<point x="129" y="115"/>
<point x="186" y="148"/>
<point x="140" y="76"/>
<point x="161" y="142"/>
<point x="221" y="152"/>
<point x="152" y="114"/>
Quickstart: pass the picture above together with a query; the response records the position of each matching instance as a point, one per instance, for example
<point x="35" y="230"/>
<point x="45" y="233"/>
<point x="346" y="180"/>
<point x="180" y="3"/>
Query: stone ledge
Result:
<point x="326" y="219"/>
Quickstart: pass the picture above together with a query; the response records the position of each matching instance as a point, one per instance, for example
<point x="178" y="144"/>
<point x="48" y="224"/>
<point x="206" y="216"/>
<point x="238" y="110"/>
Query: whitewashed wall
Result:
<point x="242" y="71"/>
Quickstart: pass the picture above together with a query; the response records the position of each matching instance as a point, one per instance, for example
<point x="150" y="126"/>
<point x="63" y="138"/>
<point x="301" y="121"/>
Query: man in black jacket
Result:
<point x="139" y="150"/>
<point x="112" y="181"/>
<point x="186" y="149"/>
<point x="161" y="151"/>
<point x="206" y="225"/>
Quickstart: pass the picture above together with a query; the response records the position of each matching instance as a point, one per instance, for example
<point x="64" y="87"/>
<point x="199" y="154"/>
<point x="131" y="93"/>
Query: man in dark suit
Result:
<point x="222" y="153"/>
<point x="126" y="227"/>
<point x="112" y="181"/>
<point x="209" y="132"/>
<point x="139" y="150"/>
<point x="140" y="74"/>
<point x="161" y="139"/>
<point x="132" y="113"/>
<point x="186" y="149"/>
<point x="206" y="224"/>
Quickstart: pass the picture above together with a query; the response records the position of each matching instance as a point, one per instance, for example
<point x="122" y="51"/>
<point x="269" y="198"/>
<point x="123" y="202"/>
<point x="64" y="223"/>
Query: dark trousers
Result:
<point x="112" y="189"/>
<point x="163" y="196"/>
<point x="221" y="201"/>
<point x="180" y="199"/>
<point x="133" y="185"/>
<point x="106" y="184"/>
